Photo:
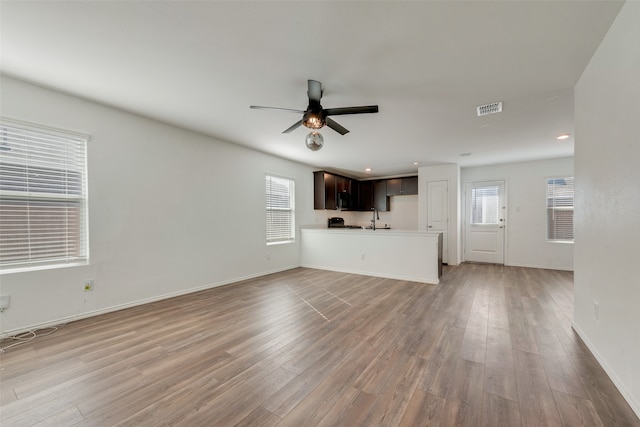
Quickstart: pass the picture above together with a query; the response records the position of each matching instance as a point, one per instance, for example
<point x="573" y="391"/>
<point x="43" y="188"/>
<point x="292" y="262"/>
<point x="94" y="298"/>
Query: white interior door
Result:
<point x="438" y="212"/>
<point x="485" y="222"/>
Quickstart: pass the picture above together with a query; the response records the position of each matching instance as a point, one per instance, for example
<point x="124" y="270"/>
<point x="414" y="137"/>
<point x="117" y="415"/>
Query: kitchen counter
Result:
<point x="397" y="254"/>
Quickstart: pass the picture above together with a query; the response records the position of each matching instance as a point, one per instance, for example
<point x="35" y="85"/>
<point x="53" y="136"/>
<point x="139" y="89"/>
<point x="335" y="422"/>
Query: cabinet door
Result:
<point x="324" y="190"/>
<point x="343" y="184"/>
<point x="355" y="195"/>
<point x="410" y="185"/>
<point x="318" y="190"/>
<point x="380" y="198"/>
<point x="365" y="196"/>
<point x="402" y="186"/>
<point x="394" y="186"/>
<point x="330" y="201"/>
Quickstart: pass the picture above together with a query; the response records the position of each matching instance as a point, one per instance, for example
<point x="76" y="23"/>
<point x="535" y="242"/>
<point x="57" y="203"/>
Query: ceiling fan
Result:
<point x="315" y="117"/>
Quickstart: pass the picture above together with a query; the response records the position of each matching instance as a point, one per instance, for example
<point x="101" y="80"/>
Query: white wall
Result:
<point x="170" y="211"/>
<point x="607" y="228"/>
<point x="526" y="216"/>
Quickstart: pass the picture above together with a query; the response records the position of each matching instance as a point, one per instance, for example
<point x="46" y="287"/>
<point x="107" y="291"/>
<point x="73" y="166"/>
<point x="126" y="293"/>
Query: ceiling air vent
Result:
<point x="494" y="107"/>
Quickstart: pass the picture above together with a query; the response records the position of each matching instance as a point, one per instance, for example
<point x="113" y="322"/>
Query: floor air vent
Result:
<point x="494" y="107"/>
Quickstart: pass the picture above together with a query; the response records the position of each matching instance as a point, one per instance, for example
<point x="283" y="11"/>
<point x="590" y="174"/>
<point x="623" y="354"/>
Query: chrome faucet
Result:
<point x="373" y="220"/>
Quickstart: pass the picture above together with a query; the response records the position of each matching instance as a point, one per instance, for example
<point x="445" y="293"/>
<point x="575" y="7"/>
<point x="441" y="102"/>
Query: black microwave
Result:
<point x="344" y="200"/>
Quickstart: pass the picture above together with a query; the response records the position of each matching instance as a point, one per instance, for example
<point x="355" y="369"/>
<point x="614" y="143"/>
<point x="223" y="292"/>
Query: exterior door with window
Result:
<point x="485" y="222"/>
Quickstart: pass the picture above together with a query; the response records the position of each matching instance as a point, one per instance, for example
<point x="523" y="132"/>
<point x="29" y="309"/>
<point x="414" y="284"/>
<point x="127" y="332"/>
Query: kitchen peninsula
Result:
<point x="396" y="254"/>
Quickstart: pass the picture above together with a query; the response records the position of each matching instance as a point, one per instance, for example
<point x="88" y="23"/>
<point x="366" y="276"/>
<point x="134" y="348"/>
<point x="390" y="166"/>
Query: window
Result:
<point x="43" y="197"/>
<point x="485" y="204"/>
<point x="280" y="198"/>
<point x="560" y="209"/>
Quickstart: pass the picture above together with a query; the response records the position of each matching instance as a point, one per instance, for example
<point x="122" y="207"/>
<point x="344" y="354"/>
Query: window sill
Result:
<point x="563" y="242"/>
<point x="284" y="242"/>
<point x="25" y="269"/>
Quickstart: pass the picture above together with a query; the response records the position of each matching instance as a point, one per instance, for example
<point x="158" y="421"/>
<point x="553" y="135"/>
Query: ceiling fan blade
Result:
<point x="335" y="126"/>
<point x="351" y="110"/>
<point x="314" y="91"/>
<point x="258" y="107"/>
<point x="293" y="127"/>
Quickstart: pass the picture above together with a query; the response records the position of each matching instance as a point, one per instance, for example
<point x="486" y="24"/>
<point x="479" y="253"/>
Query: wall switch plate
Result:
<point x="5" y="300"/>
<point x="88" y="285"/>
<point x="596" y="310"/>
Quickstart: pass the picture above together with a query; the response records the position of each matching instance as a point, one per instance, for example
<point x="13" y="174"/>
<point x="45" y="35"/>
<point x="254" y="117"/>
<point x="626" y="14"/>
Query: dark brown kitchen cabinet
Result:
<point x="380" y="198"/>
<point x="324" y="190"/>
<point x="402" y="186"/>
<point x="343" y="184"/>
<point x="365" y="196"/>
<point x="332" y="191"/>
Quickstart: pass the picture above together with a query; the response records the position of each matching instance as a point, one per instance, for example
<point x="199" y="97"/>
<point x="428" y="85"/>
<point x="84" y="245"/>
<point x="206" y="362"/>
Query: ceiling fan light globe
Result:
<point x="314" y="141"/>
<point x="313" y="120"/>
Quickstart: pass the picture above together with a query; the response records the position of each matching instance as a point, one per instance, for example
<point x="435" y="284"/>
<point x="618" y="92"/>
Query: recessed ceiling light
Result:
<point x="416" y="163"/>
<point x="367" y="170"/>
<point x="563" y="136"/>
<point x="465" y="154"/>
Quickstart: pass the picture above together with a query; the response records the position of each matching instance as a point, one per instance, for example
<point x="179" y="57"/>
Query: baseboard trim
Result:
<point x="431" y="280"/>
<point x="88" y="314"/>
<point x="542" y="267"/>
<point x="635" y="405"/>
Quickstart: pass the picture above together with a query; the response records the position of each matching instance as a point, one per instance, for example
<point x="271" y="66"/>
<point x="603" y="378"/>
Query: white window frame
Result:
<point x="43" y="197"/>
<point x="280" y="216"/>
<point x="559" y="200"/>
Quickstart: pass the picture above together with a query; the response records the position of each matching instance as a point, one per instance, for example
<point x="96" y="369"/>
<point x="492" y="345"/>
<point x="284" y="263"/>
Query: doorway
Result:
<point x="485" y="211"/>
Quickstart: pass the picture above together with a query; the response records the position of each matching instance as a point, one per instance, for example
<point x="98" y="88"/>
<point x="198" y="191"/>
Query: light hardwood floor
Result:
<point x="489" y="346"/>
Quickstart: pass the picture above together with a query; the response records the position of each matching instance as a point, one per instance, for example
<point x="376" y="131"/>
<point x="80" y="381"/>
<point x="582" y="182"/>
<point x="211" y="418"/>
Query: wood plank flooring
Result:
<point x="489" y="346"/>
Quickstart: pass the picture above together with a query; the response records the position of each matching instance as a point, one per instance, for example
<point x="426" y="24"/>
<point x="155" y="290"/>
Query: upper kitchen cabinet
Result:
<point x="333" y="191"/>
<point x="324" y="190"/>
<point x="365" y="196"/>
<point x="402" y="186"/>
<point x="380" y="198"/>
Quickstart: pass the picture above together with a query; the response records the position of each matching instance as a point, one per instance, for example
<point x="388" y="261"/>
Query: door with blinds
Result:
<point x="485" y="222"/>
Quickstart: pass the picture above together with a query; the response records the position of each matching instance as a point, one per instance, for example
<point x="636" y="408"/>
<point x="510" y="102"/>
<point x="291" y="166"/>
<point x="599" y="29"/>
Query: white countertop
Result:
<point x="358" y="231"/>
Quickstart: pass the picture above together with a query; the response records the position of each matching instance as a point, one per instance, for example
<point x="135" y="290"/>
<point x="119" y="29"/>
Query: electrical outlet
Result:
<point x="88" y="285"/>
<point x="596" y="310"/>
<point x="362" y="256"/>
<point x="4" y="302"/>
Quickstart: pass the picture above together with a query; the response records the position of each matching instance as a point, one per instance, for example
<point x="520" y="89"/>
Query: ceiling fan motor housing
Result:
<point x="315" y="117"/>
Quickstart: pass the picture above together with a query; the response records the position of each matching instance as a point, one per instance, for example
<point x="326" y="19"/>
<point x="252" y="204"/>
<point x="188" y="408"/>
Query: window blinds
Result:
<point x="485" y="204"/>
<point x="280" y="203"/>
<point x="43" y="209"/>
<point x="560" y="193"/>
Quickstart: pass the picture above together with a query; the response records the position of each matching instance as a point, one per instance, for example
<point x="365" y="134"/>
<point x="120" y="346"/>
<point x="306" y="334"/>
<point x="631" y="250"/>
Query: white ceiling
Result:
<point x="199" y="65"/>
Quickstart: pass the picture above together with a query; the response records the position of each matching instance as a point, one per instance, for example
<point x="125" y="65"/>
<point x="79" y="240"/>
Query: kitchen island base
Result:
<point x="403" y="255"/>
